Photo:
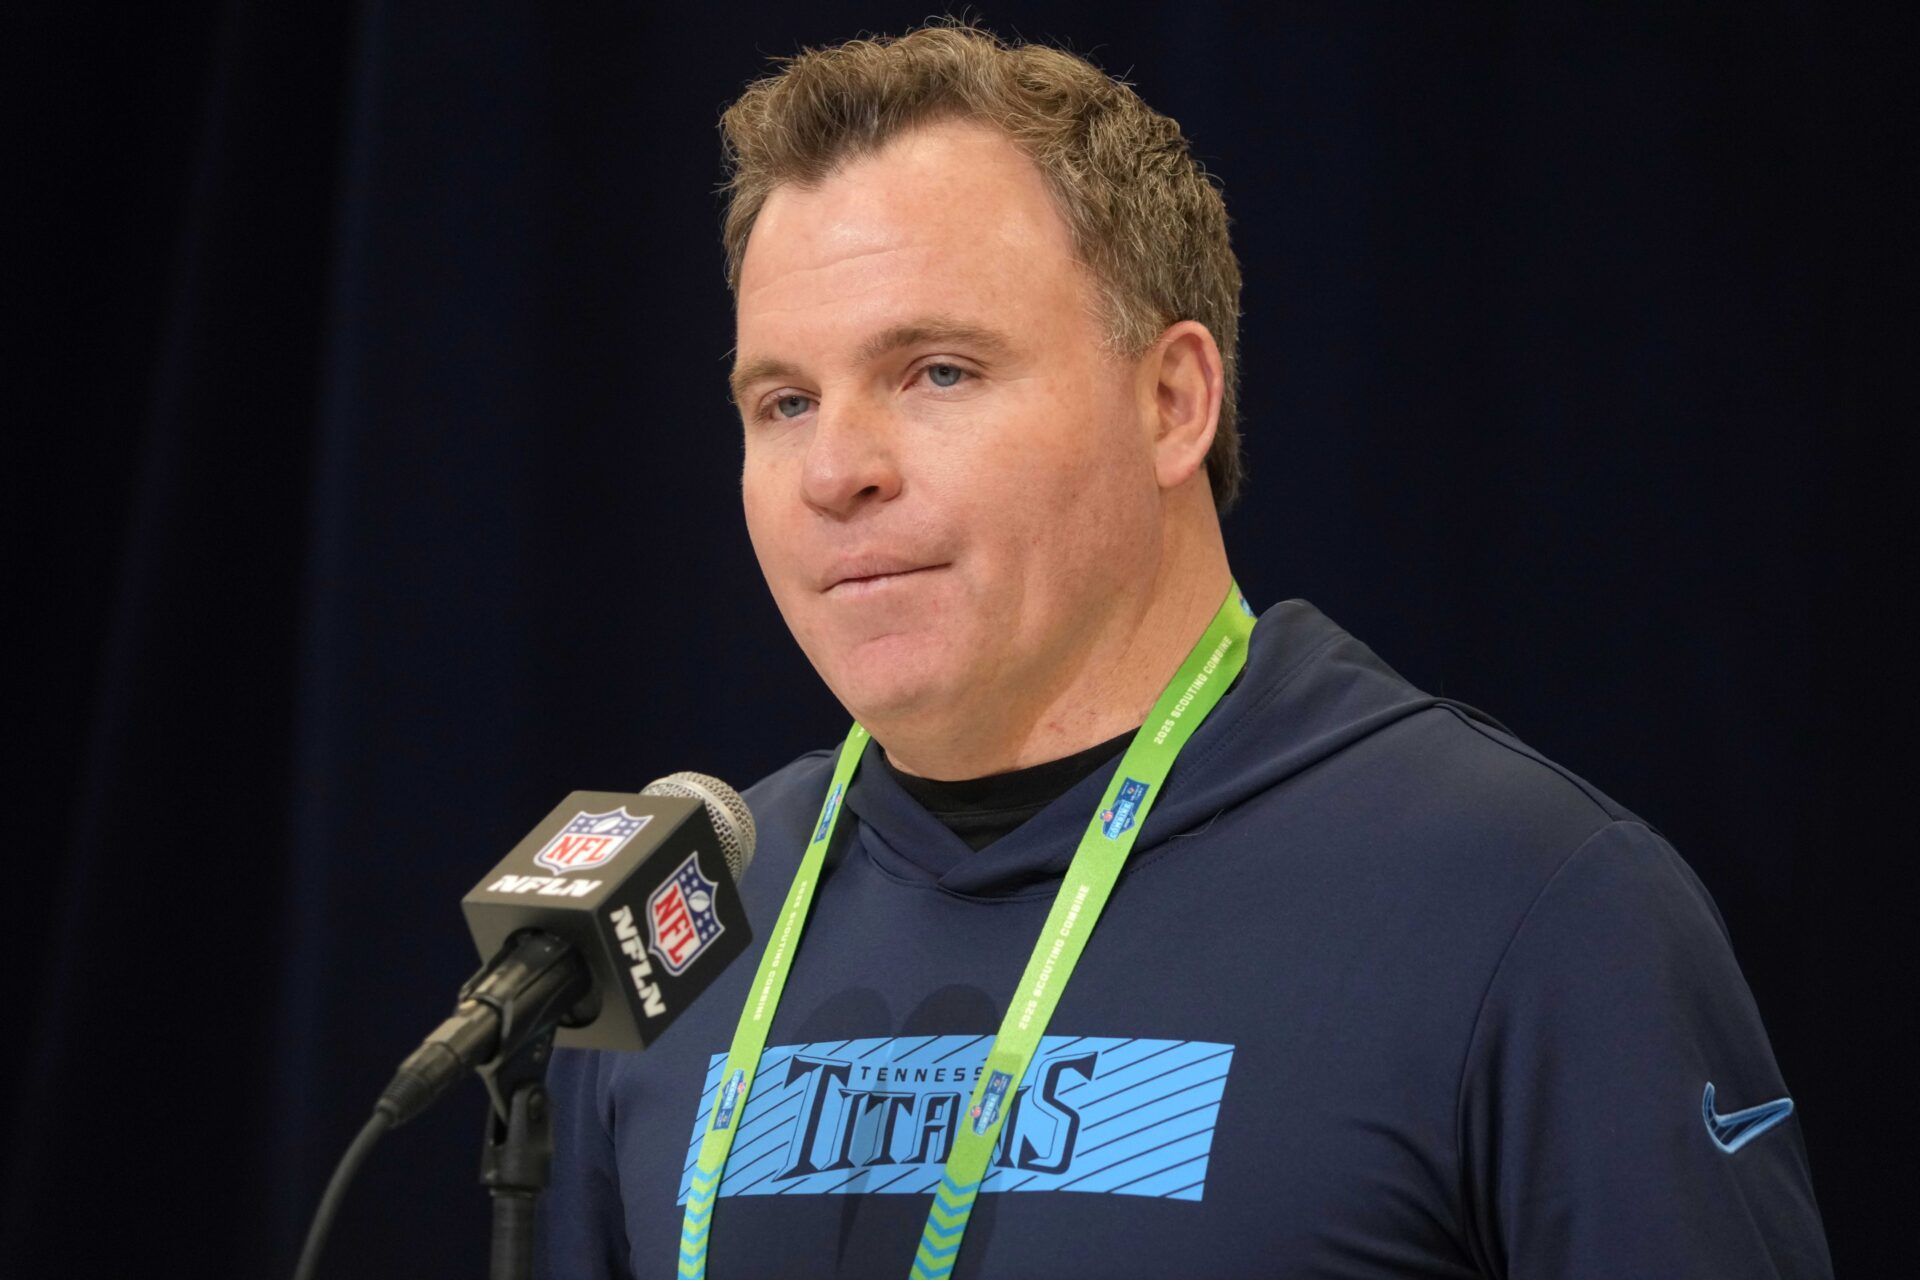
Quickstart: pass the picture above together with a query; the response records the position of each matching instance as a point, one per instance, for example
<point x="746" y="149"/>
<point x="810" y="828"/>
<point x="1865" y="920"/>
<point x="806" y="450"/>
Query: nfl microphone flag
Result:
<point x="641" y="887"/>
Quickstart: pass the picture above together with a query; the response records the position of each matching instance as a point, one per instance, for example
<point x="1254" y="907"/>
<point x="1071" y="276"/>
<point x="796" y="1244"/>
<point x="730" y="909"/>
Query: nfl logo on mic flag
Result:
<point x="591" y="840"/>
<point x="681" y="921"/>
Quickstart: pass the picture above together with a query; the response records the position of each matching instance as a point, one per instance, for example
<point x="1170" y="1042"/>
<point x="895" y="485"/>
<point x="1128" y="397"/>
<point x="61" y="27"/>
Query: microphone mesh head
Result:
<point x="732" y="820"/>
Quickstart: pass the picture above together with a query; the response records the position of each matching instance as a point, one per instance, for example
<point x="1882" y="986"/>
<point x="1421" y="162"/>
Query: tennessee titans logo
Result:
<point x="729" y="1099"/>
<point x="1116" y="820"/>
<point x="988" y="1109"/>
<point x="590" y="840"/>
<point x="1106" y="1115"/>
<point x="681" y="920"/>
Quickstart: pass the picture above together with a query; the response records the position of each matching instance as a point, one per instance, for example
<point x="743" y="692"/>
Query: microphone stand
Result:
<point x="518" y="1155"/>
<point x="532" y="986"/>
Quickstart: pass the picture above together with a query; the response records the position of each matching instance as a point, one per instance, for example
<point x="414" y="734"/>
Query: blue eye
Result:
<point x="791" y="406"/>
<point x="944" y="375"/>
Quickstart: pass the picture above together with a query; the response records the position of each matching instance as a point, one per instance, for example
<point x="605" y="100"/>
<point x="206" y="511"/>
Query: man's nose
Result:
<point x="850" y="461"/>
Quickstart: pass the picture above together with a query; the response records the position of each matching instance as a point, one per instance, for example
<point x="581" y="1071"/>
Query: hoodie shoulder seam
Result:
<point x="1608" y="807"/>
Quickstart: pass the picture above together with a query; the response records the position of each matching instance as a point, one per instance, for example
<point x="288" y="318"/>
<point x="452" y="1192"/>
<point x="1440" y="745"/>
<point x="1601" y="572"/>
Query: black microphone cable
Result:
<point x="343" y="1173"/>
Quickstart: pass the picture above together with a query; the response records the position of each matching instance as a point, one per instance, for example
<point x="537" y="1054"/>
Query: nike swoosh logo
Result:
<point x="1735" y="1130"/>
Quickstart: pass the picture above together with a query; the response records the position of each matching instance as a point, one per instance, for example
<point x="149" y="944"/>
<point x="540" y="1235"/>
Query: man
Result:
<point x="1375" y="990"/>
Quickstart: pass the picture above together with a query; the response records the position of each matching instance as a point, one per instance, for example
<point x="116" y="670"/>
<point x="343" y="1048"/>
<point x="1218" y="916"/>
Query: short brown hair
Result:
<point x="1146" y="219"/>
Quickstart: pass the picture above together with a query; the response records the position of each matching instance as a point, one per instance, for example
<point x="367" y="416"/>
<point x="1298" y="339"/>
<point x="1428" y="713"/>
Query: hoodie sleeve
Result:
<point x="582" y="1228"/>
<point x="1600" y="1112"/>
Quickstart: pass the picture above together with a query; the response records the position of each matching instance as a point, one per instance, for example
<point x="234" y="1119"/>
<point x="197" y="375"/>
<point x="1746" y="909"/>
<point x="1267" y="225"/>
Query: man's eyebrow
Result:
<point x="760" y="369"/>
<point x="990" y="343"/>
<point x="935" y="329"/>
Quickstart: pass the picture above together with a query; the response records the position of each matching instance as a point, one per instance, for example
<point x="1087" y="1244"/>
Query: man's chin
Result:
<point x="894" y="678"/>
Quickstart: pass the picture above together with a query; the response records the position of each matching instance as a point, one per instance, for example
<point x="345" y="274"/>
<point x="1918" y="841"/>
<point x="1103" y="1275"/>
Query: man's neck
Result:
<point x="1109" y="687"/>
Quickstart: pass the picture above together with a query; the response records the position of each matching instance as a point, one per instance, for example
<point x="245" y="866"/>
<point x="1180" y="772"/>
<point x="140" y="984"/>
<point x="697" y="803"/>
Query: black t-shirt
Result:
<point x="981" y="810"/>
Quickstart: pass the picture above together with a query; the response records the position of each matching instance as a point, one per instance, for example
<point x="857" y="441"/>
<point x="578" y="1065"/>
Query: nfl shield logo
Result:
<point x="681" y="919"/>
<point x="591" y="840"/>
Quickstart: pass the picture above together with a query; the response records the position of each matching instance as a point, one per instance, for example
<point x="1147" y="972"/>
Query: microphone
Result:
<point x="602" y="924"/>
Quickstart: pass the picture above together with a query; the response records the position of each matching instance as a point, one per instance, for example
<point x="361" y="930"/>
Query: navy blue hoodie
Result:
<point x="1381" y="992"/>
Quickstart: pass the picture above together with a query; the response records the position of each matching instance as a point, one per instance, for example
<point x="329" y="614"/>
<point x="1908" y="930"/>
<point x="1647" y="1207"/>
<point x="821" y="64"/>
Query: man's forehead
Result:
<point x="949" y="174"/>
<point x="956" y="205"/>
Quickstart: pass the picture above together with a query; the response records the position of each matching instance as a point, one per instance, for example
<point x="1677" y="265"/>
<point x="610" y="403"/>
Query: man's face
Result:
<point x="948" y="482"/>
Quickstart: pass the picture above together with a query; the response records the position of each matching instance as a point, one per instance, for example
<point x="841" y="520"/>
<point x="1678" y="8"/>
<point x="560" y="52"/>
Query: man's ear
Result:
<point x="1185" y="379"/>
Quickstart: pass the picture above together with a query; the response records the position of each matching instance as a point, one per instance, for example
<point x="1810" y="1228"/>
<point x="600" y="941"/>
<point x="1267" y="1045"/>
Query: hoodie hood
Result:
<point x="1309" y="691"/>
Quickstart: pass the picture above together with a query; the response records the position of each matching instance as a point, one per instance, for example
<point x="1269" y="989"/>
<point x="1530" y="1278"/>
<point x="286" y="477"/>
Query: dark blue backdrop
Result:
<point x="378" y="354"/>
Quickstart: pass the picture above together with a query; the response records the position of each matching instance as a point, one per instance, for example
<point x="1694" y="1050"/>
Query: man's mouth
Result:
<point x="870" y="580"/>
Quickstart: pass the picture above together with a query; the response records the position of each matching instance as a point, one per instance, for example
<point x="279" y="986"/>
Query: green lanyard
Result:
<point x="1207" y="672"/>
